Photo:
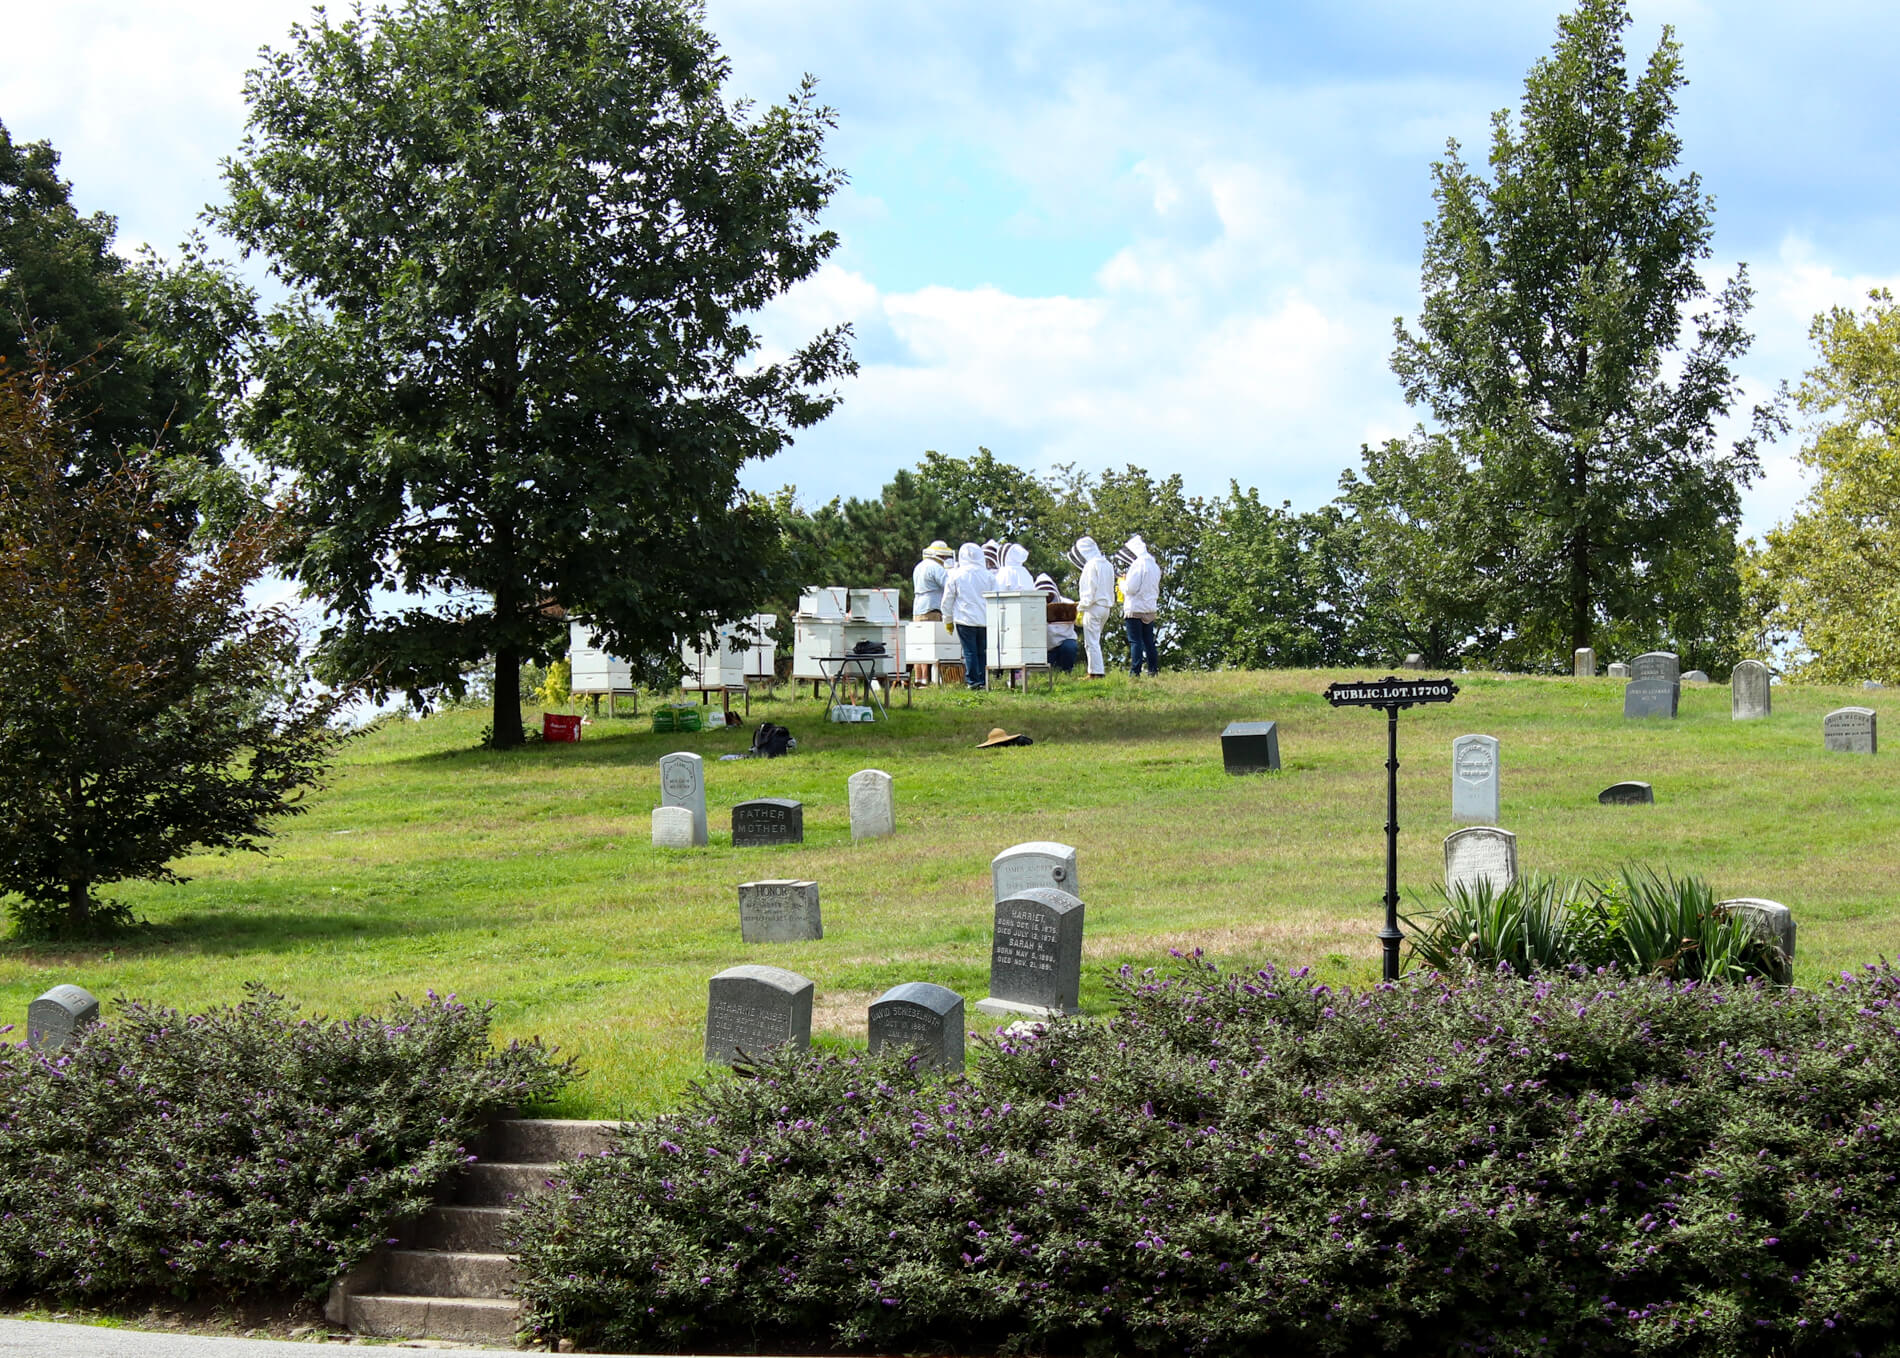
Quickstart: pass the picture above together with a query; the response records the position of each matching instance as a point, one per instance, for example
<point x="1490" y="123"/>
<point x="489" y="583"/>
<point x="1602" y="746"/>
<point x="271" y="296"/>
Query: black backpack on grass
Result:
<point x="770" y="741"/>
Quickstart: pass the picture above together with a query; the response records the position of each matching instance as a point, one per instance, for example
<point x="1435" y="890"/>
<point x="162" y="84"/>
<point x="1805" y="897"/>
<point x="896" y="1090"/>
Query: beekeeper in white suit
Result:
<point x="1141" y="605"/>
<point x="1095" y="595"/>
<point x="1012" y="574"/>
<point x="963" y="610"/>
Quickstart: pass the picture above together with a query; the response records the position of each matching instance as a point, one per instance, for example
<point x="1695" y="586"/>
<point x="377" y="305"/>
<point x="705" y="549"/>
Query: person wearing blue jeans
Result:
<point x="963" y="606"/>
<point x="1141" y="598"/>
<point x="1141" y="644"/>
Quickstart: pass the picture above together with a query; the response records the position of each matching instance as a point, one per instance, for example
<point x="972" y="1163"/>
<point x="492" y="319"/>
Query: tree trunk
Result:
<point x="79" y="908"/>
<point x="507" y="733"/>
<point x="1579" y="550"/>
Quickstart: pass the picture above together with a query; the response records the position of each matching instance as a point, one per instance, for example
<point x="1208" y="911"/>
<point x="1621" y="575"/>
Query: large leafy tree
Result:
<point x="522" y="238"/>
<point x="149" y="349"/>
<point x="1833" y="570"/>
<point x="1555" y="294"/>
<point x="147" y="711"/>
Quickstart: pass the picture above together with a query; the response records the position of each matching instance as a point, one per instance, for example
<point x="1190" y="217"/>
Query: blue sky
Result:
<point x="1173" y="234"/>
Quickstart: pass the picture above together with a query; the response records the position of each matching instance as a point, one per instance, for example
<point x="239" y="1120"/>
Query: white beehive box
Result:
<point x="761" y="655"/>
<point x="714" y="661"/>
<point x="884" y="634"/>
<point x="929" y="643"/>
<point x="812" y="640"/>
<point x="828" y="602"/>
<point x="873" y="605"/>
<point x="592" y="670"/>
<point x="1018" y="623"/>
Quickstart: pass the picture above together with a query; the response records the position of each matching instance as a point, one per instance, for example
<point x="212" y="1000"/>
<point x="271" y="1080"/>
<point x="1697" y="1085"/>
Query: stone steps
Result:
<point x="450" y="1276"/>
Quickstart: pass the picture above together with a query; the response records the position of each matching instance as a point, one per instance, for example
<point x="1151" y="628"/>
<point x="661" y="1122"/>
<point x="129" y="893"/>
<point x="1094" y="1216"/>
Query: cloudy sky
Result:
<point x="1095" y="231"/>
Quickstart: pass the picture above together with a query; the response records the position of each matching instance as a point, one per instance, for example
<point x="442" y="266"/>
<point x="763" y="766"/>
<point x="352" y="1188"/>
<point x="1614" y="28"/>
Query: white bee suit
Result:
<point x="1095" y="596"/>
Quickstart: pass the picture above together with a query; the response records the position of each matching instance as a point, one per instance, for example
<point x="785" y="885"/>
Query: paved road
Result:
<point x="47" y="1339"/>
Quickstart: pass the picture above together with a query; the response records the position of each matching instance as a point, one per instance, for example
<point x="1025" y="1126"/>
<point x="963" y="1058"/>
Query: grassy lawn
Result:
<point x="528" y="880"/>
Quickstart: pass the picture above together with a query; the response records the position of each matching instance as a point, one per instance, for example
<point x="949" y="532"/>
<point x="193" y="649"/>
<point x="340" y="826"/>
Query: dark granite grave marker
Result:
<point x="1036" y="954"/>
<point x="1651" y="698"/>
<point x="1627" y="794"/>
<point x="1250" y="746"/>
<point x="57" y="1016"/>
<point x="754" y="1008"/>
<point x="923" y="1016"/>
<point x="768" y="820"/>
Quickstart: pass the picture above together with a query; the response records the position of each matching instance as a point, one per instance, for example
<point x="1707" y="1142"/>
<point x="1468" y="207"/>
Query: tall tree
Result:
<point x="523" y="236"/>
<point x="147" y="712"/>
<point x="1554" y="298"/>
<point x="1833" y="570"/>
<point x="150" y="350"/>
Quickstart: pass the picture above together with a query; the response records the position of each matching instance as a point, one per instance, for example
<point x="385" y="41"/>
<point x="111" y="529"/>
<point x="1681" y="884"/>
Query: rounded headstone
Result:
<point x="56" y="1017"/>
<point x="683" y="783"/>
<point x="1479" y="854"/>
<point x="873" y="799"/>
<point x="1474" y="779"/>
<point x="1749" y="697"/>
<point x="925" y="1017"/>
<point x="672" y="827"/>
<point x="1627" y="794"/>
<point x="1036" y="954"/>
<point x="1770" y="920"/>
<point x="1851" y="730"/>
<point x="752" y="1008"/>
<point x="1039" y="863"/>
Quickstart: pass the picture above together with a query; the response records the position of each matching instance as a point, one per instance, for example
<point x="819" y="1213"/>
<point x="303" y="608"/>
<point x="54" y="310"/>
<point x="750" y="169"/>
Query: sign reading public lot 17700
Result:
<point x="1391" y="692"/>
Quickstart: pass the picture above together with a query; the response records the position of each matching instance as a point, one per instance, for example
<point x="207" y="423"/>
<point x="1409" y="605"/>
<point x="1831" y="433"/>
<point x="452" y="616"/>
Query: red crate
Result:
<point x="555" y="727"/>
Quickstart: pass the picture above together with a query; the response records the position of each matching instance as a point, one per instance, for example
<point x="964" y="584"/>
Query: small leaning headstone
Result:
<point x="1036" y="955"/>
<point x="1749" y="691"/>
<point x="683" y="783"/>
<point x="1618" y="670"/>
<point x="1250" y="747"/>
<point x="1414" y="661"/>
<point x="1772" y="921"/>
<point x="1695" y="677"/>
<point x="1480" y="853"/>
<point x="1850" y="730"/>
<point x="56" y="1017"/>
<point x="1474" y="779"/>
<point x="1868" y="685"/>
<point x="779" y="910"/>
<point x="1583" y="664"/>
<point x="1627" y="794"/>
<point x="753" y="1008"/>
<point x="672" y="827"/>
<point x="767" y="820"/>
<point x="873" y="799"/>
<point x="1651" y="698"/>
<point x="927" y="1018"/>
<point x="1038" y="863"/>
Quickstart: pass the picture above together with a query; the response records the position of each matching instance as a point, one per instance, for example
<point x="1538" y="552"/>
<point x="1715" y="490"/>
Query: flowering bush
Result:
<point x="1583" y="1163"/>
<point x="238" y="1149"/>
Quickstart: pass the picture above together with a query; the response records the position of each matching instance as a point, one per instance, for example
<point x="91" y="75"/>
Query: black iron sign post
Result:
<point x="1391" y="694"/>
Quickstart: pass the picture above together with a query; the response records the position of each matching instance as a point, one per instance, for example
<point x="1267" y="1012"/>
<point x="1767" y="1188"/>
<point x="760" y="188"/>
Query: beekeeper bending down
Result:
<point x="1141" y="605"/>
<point x="1095" y="595"/>
<point x="926" y="583"/>
<point x="963" y="610"/>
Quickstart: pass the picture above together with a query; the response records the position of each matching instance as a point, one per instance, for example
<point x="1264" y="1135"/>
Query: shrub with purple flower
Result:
<point x="245" y="1148"/>
<point x="1583" y="1163"/>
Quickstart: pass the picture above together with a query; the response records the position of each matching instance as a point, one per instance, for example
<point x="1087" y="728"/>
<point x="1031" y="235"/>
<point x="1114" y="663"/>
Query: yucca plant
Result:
<point x="1537" y="923"/>
<point x="1671" y="926"/>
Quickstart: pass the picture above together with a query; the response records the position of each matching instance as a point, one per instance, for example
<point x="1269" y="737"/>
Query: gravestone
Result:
<point x="683" y="783"/>
<point x="767" y="820"/>
<point x="1695" y="677"/>
<point x="1583" y="664"/>
<point x="873" y="797"/>
<point x="1414" y="661"/>
<point x="1474" y="780"/>
<point x="1036" y="954"/>
<point x="1770" y="920"/>
<point x="1627" y="794"/>
<point x="1748" y="691"/>
<point x="753" y="1008"/>
<point x="1036" y="864"/>
<point x="1868" y="684"/>
<point x="56" y="1017"/>
<point x="1618" y="670"/>
<point x="1651" y="698"/>
<point x="672" y="827"/>
<point x="1657" y="665"/>
<point x="1480" y="853"/>
<point x="1250" y="747"/>
<point x="780" y="910"/>
<point x="1850" y="730"/>
<point x="924" y="1017"/>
